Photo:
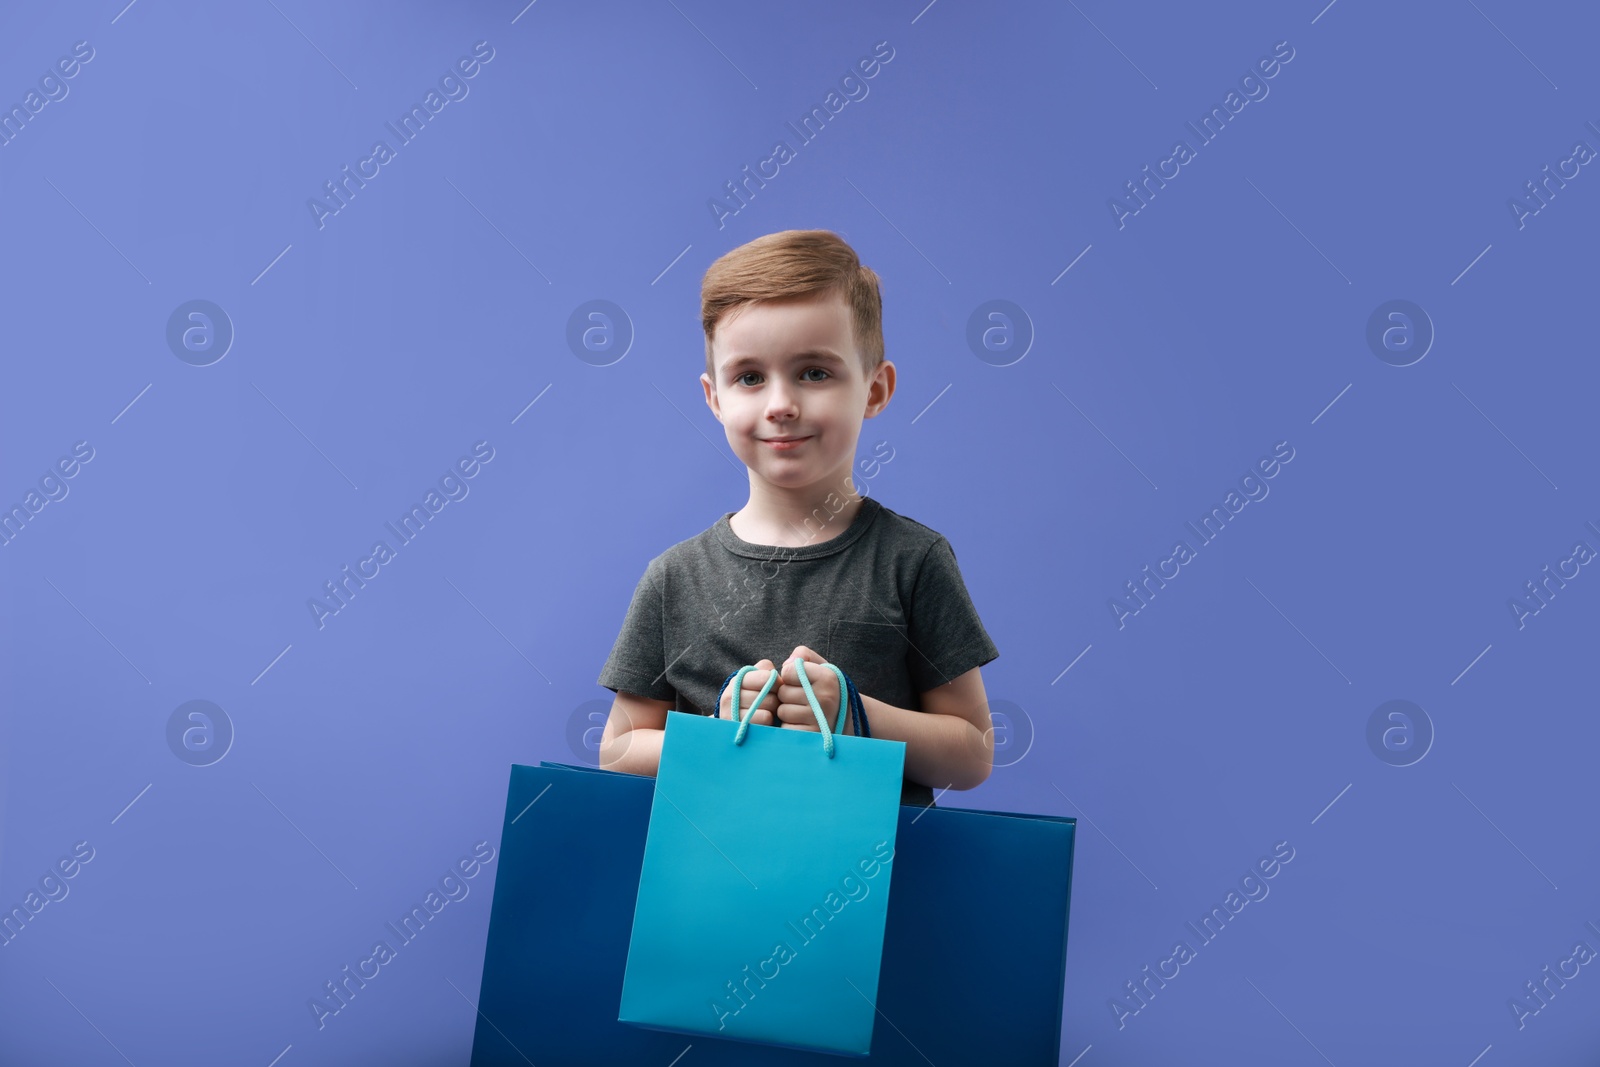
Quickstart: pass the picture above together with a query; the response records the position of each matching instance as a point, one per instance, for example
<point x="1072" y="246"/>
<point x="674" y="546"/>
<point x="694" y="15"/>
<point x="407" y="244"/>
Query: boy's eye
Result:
<point x="740" y="380"/>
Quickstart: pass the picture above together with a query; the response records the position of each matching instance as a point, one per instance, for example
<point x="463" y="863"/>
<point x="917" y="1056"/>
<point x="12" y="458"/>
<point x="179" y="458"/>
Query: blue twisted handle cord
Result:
<point x="847" y="689"/>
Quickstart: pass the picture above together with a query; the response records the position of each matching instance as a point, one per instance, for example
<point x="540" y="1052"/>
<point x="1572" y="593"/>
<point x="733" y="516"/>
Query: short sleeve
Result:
<point x="947" y="637"/>
<point x="637" y="663"/>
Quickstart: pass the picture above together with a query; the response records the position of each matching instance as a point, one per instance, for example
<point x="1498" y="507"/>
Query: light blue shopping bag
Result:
<point x="765" y="881"/>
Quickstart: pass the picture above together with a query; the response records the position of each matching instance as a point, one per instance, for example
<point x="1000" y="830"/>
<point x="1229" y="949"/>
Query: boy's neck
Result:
<point x="784" y="522"/>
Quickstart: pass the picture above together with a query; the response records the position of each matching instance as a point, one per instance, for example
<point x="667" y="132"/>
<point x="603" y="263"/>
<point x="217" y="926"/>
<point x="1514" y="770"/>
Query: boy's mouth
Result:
<point x="784" y="444"/>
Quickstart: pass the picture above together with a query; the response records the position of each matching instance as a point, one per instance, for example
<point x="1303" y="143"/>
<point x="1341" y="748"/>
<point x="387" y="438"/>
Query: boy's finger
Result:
<point x="763" y="715"/>
<point x="756" y="680"/>
<point x="827" y="692"/>
<point x="813" y="664"/>
<point x="801" y="714"/>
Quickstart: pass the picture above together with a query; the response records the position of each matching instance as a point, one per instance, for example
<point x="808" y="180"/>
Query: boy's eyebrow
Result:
<point x="813" y="354"/>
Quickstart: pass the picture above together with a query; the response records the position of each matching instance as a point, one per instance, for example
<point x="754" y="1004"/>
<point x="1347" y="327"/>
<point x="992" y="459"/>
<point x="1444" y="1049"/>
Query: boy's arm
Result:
<point x="631" y="741"/>
<point x="950" y="742"/>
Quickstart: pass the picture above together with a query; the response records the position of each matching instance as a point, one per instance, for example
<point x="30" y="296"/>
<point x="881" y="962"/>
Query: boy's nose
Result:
<point x="780" y="400"/>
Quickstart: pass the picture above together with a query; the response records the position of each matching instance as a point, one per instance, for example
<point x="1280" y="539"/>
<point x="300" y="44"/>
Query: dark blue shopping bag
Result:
<point x="956" y="986"/>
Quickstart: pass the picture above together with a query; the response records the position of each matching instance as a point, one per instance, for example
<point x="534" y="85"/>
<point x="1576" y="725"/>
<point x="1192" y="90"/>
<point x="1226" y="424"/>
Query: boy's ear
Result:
<point x="880" y="389"/>
<point x="711" y="396"/>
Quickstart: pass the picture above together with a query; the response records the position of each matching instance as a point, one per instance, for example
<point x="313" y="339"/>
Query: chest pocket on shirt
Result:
<point x="873" y="654"/>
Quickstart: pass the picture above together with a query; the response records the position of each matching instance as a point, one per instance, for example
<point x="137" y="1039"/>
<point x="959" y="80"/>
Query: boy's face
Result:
<point x="790" y="368"/>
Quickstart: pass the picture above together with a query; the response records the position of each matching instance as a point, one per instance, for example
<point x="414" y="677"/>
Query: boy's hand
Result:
<point x="766" y="713"/>
<point x="794" y="711"/>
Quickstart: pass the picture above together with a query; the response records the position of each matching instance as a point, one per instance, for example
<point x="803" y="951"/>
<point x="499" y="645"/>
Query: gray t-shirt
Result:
<point x="884" y="600"/>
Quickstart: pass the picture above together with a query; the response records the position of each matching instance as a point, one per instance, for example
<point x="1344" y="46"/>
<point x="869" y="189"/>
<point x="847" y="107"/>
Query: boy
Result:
<point x="794" y="363"/>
